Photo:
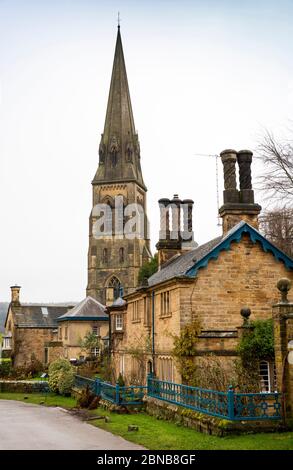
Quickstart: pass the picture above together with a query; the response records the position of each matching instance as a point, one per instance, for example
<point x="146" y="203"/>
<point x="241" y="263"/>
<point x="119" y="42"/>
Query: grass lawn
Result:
<point x="48" y="399"/>
<point x="161" y="435"/>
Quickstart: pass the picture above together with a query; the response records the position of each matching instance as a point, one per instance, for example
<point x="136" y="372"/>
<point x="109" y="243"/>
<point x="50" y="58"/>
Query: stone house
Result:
<point x="210" y="284"/>
<point x="89" y="316"/>
<point x="31" y="329"/>
<point x="49" y="331"/>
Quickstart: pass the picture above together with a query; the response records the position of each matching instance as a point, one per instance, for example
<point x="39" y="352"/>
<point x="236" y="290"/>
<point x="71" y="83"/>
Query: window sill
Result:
<point x="166" y="315"/>
<point x="136" y="321"/>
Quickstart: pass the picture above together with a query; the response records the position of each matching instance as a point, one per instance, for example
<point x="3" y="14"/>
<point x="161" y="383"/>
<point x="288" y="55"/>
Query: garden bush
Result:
<point x="5" y="369"/>
<point x="61" y="376"/>
<point x="86" y="398"/>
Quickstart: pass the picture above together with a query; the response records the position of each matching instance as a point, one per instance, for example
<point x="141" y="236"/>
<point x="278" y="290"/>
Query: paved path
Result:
<point x="24" y="426"/>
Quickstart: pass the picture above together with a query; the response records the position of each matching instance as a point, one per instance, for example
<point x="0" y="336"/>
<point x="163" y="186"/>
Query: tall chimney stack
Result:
<point x="238" y="205"/>
<point x="244" y="159"/>
<point x="15" y="290"/>
<point x="231" y="194"/>
<point x="175" y="239"/>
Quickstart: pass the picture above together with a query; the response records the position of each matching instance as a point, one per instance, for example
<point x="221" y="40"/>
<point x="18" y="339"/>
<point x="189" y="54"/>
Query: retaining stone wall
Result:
<point x="24" y="386"/>
<point x="207" y="424"/>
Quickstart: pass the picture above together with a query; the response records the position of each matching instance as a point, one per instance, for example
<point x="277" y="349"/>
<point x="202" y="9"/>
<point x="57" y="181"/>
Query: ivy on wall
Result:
<point x="257" y="342"/>
<point x="184" y="351"/>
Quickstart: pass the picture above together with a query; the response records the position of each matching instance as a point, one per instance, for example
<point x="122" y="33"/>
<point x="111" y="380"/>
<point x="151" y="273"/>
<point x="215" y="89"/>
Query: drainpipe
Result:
<point x="153" y="332"/>
<point x="110" y="337"/>
<point x="284" y="388"/>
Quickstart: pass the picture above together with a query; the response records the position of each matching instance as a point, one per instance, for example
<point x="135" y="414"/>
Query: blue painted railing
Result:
<point x="127" y="395"/>
<point x="228" y="405"/>
<point x="83" y="382"/>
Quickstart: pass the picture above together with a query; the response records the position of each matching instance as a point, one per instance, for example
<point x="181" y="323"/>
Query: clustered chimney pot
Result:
<point x="229" y="158"/>
<point x="238" y="204"/>
<point x="175" y="239"/>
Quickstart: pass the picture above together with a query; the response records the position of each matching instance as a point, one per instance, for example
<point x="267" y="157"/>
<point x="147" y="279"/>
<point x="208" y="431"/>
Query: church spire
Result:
<point x="119" y="151"/>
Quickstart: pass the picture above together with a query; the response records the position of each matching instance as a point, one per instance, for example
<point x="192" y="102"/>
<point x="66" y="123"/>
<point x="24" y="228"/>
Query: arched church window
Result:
<point x="118" y="215"/>
<point x="108" y="225"/>
<point x="113" y="289"/>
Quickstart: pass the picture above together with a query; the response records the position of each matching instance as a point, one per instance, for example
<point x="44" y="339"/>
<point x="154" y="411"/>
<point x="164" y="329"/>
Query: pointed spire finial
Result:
<point x="118" y="19"/>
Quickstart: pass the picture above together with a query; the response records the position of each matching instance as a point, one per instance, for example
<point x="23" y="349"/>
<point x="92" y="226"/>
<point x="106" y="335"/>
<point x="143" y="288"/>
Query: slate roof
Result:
<point x="88" y="309"/>
<point x="39" y="315"/>
<point x="189" y="263"/>
<point x="178" y="266"/>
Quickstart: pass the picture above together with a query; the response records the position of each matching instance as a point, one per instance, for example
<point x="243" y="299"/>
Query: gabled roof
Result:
<point x="39" y="315"/>
<point x="235" y="235"/>
<point x="88" y="309"/>
<point x="188" y="264"/>
<point x="178" y="265"/>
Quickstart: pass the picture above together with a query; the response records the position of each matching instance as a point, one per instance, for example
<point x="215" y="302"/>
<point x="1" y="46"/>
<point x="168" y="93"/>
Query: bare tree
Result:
<point x="277" y="177"/>
<point x="277" y="226"/>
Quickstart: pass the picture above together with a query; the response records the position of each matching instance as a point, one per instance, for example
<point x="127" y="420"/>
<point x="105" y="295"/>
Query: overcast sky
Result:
<point x="204" y="76"/>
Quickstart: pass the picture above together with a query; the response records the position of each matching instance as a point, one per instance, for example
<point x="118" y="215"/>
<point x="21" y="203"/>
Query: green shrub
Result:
<point x="61" y="376"/>
<point x="65" y="382"/>
<point x="59" y="364"/>
<point x="53" y="381"/>
<point x="148" y="269"/>
<point x="121" y="381"/>
<point x="5" y="369"/>
<point x="258" y="342"/>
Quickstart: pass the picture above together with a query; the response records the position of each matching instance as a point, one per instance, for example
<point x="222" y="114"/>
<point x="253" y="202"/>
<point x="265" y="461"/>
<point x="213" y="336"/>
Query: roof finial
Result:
<point x="118" y="19"/>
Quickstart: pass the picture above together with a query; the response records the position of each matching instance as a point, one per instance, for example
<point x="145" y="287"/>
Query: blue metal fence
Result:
<point x="130" y="395"/>
<point x="228" y="405"/>
<point x="83" y="382"/>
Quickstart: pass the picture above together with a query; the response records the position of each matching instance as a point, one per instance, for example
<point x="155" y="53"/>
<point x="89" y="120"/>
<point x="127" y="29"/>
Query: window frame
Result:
<point x="267" y="378"/>
<point x="119" y="316"/>
<point x="165" y="304"/>
<point x="136" y="314"/>
<point x="97" y="328"/>
<point x="96" y="351"/>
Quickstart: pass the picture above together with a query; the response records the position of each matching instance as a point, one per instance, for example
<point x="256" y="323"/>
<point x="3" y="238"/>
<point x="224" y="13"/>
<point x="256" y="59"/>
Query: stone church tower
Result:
<point x="114" y="257"/>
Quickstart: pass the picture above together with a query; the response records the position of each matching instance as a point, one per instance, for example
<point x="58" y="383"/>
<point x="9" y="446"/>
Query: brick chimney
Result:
<point x="173" y="239"/>
<point x="238" y="204"/>
<point x="15" y="290"/>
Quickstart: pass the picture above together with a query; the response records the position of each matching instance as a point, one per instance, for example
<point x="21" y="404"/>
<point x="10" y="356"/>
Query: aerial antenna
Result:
<point x="118" y="19"/>
<point x="217" y="180"/>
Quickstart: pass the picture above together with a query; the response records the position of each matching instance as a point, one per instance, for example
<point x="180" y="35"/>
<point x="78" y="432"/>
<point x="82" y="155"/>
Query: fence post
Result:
<point x="117" y="397"/>
<point x="98" y="387"/>
<point x="149" y="384"/>
<point x="230" y="394"/>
